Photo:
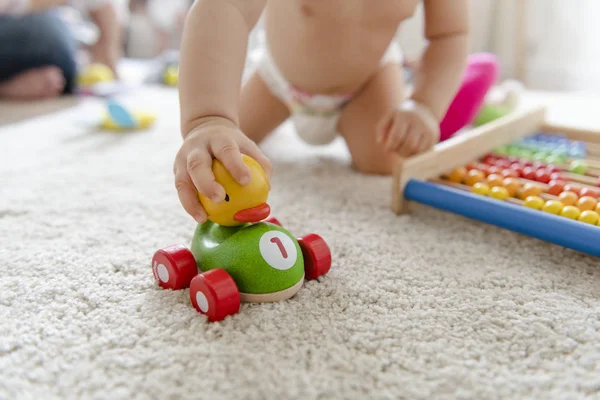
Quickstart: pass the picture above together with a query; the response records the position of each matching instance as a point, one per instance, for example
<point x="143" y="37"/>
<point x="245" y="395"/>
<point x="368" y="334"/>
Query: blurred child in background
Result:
<point x="38" y="51"/>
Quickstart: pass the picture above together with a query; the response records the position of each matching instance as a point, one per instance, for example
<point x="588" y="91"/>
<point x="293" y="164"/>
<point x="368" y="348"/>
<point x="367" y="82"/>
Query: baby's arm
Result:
<point x="445" y="58"/>
<point x="415" y="126"/>
<point x="107" y="50"/>
<point x="213" y="55"/>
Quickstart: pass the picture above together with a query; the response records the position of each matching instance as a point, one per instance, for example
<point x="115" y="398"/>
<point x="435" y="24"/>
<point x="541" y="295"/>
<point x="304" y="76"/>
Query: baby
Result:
<point x="331" y="65"/>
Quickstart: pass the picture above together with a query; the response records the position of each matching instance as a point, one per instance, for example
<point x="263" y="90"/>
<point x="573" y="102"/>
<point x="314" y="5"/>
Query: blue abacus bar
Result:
<point x="562" y="231"/>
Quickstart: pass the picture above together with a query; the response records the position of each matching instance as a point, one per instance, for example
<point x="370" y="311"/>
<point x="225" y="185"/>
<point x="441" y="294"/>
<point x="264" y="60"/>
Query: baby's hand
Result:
<point x="217" y="138"/>
<point x="408" y="130"/>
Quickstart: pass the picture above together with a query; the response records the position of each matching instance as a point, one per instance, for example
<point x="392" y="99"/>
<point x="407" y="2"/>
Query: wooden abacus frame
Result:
<point x="411" y="176"/>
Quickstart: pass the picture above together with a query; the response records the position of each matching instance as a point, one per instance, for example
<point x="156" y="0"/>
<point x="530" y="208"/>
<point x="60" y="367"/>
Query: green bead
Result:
<point x="513" y="150"/>
<point x="578" y="167"/>
<point x="526" y="154"/>
<point x="554" y="159"/>
<point x="502" y="150"/>
<point x="540" y="156"/>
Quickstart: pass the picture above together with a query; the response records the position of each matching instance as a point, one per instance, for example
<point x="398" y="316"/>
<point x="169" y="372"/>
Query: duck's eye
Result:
<point x="226" y="197"/>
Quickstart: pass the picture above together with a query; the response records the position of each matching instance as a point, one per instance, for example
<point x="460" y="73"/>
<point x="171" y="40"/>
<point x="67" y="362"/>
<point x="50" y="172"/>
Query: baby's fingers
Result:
<point x="252" y="149"/>
<point x="188" y="196"/>
<point x="199" y="168"/>
<point x="228" y="152"/>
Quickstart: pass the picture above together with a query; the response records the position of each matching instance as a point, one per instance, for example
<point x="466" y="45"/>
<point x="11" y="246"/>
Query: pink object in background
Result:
<point x="481" y="74"/>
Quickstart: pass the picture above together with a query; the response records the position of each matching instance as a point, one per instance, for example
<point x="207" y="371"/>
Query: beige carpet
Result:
<point x="426" y="306"/>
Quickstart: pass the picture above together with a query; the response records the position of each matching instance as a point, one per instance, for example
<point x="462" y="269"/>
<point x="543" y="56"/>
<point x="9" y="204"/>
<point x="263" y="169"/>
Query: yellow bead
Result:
<point x="499" y="193"/>
<point x="589" y="217"/>
<point x="534" y="202"/>
<point x="457" y="175"/>
<point x="553" y="207"/>
<point x="481" y="188"/>
<point x="570" y="212"/>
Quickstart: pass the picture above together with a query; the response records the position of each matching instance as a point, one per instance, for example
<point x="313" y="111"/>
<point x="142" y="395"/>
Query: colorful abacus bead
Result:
<point x="494" y="180"/>
<point x="573" y="188"/>
<point x="499" y="193"/>
<point x="458" y="175"/>
<point x="587" y="203"/>
<point x="589" y="192"/>
<point x="570" y="212"/>
<point x="529" y="189"/>
<point x="589" y="217"/>
<point x="553" y="207"/>
<point x="556" y="187"/>
<point x="568" y="198"/>
<point x="474" y="176"/>
<point x="512" y="185"/>
<point x="481" y="188"/>
<point x="534" y="202"/>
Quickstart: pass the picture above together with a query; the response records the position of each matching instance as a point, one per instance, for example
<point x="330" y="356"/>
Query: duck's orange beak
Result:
<point x="254" y="214"/>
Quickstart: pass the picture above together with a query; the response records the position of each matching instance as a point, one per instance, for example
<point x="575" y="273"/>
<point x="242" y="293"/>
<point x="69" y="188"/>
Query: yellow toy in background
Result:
<point x="142" y="121"/>
<point x="171" y="76"/>
<point x="119" y="119"/>
<point x="94" y="74"/>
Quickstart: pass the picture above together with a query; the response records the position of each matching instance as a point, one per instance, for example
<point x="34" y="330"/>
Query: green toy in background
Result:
<point x="499" y="106"/>
<point x="238" y="254"/>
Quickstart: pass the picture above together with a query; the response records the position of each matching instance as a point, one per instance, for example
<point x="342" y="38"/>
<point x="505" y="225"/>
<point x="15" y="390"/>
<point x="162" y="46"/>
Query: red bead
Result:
<point x="556" y="187"/>
<point x="215" y="294"/>
<point x="552" y="168"/>
<point x="556" y="176"/>
<point x="317" y="256"/>
<point x="543" y="176"/>
<point x="471" y="166"/>
<point x="489" y="159"/>
<point x="527" y="163"/>
<point x="510" y="173"/>
<point x="174" y="267"/>
<point x="494" y="170"/>
<point x="483" y="168"/>
<point x="512" y="159"/>
<point x="528" y="173"/>
<point x="538" y="165"/>
<point x="502" y="164"/>
<point x="573" y="188"/>
<point x="589" y="192"/>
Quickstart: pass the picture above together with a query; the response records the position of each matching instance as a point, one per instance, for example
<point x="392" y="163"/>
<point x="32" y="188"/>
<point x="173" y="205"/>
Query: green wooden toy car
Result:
<point x="239" y="254"/>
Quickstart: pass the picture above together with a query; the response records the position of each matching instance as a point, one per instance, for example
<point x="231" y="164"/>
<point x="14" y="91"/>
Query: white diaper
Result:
<point x="315" y="116"/>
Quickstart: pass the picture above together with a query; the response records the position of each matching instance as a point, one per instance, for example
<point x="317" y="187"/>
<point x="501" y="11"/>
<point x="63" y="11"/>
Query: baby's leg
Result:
<point x="31" y="43"/>
<point x="359" y="119"/>
<point x="260" y="111"/>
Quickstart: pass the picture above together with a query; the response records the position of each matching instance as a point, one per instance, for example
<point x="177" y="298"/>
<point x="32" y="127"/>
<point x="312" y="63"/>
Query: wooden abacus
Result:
<point x="482" y="174"/>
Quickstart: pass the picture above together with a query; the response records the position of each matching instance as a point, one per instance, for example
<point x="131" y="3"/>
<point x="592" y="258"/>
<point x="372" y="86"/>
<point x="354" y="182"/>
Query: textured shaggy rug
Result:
<point x="424" y="306"/>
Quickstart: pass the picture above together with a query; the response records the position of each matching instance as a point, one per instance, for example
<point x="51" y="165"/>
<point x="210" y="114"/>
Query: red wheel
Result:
<point x="215" y="294"/>
<point x="273" y="220"/>
<point x="174" y="267"/>
<point x="317" y="256"/>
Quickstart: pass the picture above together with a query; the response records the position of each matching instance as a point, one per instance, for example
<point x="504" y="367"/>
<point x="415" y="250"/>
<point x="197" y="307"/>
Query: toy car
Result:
<point x="239" y="255"/>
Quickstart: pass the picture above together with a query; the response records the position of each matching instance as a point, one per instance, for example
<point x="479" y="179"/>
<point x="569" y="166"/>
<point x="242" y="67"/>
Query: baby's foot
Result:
<point x="34" y="84"/>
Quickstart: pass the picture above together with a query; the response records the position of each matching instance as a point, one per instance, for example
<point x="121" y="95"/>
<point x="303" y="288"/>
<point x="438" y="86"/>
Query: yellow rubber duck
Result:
<point x="242" y="204"/>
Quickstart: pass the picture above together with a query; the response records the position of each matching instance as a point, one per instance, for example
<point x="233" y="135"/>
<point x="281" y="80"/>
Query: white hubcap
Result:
<point x="163" y="273"/>
<point x="202" y="302"/>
